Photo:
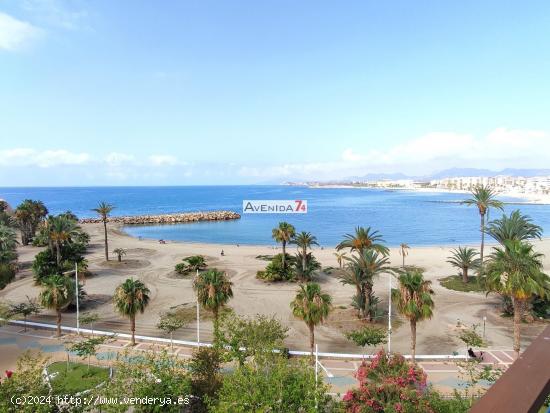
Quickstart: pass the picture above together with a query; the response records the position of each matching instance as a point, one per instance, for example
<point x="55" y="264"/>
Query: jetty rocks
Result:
<point x="167" y="218"/>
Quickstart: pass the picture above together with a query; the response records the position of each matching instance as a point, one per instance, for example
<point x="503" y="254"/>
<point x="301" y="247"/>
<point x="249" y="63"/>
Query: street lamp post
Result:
<point x="77" y="303"/>
<point x="389" y="315"/>
<point x="198" y="318"/>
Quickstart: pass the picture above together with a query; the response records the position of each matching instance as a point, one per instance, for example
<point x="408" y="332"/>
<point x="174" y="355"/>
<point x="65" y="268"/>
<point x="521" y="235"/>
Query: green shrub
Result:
<point x="275" y="271"/>
<point x="7" y="274"/>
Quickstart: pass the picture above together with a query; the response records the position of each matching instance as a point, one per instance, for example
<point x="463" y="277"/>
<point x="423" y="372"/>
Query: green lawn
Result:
<point x="77" y="378"/>
<point x="454" y="282"/>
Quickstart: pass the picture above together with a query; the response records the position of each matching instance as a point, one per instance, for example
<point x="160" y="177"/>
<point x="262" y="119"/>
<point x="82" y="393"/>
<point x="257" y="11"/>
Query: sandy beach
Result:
<point x="154" y="264"/>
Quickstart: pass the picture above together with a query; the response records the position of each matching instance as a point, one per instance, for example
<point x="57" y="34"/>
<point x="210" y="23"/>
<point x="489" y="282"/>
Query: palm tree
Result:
<point x="414" y="301"/>
<point x="312" y="306"/>
<point x="363" y="239"/>
<point x="8" y="244"/>
<point x="340" y="257"/>
<point x="515" y="227"/>
<point x="464" y="258"/>
<point x="57" y="293"/>
<point x="103" y="210"/>
<point x="213" y="292"/>
<point x="283" y="234"/>
<point x="370" y="264"/>
<point x="483" y="196"/>
<point x="516" y="271"/>
<point x="303" y="241"/>
<point x="28" y="215"/>
<point x="403" y="252"/>
<point x="353" y="275"/>
<point x="60" y="231"/>
<point x="131" y="297"/>
<point x="120" y="252"/>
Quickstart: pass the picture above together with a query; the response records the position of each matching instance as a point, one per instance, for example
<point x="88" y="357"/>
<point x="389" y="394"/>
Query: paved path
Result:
<point x="446" y="376"/>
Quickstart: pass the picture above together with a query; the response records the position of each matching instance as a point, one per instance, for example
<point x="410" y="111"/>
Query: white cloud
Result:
<point x="15" y="34"/>
<point x="501" y="148"/>
<point x="57" y="13"/>
<point x="163" y="160"/>
<point x="43" y="159"/>
<point x="118" y="159"/>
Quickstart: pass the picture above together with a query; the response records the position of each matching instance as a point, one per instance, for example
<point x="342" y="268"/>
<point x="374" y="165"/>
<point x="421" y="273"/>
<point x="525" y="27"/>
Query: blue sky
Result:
<point x="195" y="92"/>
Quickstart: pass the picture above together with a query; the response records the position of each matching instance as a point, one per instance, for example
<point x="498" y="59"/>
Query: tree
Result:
<point x="120" y="252"/>
<point x="281" y="386"/>
<point x="169" y="323"/>
<point x="61" y="230"/>
<point x="191" y="264"/>
<point x="206" y="376"/>
<point x="363" y="239"/>
<point x="150" y="375"/>
<point x="515" y="270"/>
<point x="483" y="196"/>
<point x="283" y="234"/>
<point x="57" y="293"/>
<point x="312" y="306"/>
<point x="103" y="209"/>
<point x="464" y="258"/>
<point x="89" y="318"/>
<point x="25" y="309"/>
<point x="213" y="290"/>
<point x="85" y="349"/>
<point x="131" y="297"/>
<point x="8" y="244"/>
<point x="368" y="336"/>
<point x="26" y="382"/>
<point x="340" y="257"/>
<point x="403" y="251"/>
<point x="28" y="215"/>
<point x="305" y="273"/>
<point x="303" y="241"/>
<point x="365" y="267"/>
<point x="470" y="337"/>
<point x="255" y="338"/>
<point x="517" y="227"/>
<point x="414" y="301"/>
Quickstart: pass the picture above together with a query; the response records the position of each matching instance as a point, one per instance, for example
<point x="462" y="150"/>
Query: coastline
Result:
<point x="529" y="198"/>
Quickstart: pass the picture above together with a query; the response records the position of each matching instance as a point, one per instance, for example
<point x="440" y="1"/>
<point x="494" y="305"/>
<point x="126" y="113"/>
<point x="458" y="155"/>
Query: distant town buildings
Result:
<point x="539" y="185"/>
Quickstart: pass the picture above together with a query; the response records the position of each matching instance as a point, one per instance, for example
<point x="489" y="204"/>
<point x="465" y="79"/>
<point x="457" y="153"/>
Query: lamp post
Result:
<point x="389" y="315"/>
<point x="198" y="318"/>
<point x="75" y="271"/>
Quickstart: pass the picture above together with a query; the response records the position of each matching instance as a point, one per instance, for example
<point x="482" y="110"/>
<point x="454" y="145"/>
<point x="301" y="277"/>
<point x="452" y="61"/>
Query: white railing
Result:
<point x="195" y="344"/>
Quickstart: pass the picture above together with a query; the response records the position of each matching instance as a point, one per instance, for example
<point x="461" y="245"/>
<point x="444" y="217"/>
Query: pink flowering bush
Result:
<point x="389" y="384"/>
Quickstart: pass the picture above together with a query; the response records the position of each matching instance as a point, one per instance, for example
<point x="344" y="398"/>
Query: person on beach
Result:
<point x="222" y="254"/>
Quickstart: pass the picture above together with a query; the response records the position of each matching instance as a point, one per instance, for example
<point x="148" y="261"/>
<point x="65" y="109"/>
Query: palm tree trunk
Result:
<point x="284" y="254"/>
<point x="58" y="253"/>
<point x="465" y="275"/>
<point x="518" y="312"/>
<point x="403" y="259"/>
<point x="133" y="328"/>
<point x="368" y="294"/>
<point x="304" y="261"/>
<point x="215" y="312"/>
<point x="119" y="258"/>
<point x="58" y="322"/>
<point x="482" y="240"/>
<point x="359" y="301"/>
<point x="311" y="337"/>
<point x="106" y="243"/>
<point x="413" y="339"/>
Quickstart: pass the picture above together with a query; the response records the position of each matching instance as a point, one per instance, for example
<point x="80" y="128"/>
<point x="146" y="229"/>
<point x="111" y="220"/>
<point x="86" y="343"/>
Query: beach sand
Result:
<point x="154" y="263"/>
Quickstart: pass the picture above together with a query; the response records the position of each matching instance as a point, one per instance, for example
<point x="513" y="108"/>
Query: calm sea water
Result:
<point x="401" y="216"/>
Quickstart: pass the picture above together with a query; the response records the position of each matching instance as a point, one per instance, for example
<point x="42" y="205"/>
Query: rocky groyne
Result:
<point x="167" y="218"/>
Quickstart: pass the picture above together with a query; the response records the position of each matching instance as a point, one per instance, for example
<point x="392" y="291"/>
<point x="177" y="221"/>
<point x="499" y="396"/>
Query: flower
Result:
<point x="9" y="373"/>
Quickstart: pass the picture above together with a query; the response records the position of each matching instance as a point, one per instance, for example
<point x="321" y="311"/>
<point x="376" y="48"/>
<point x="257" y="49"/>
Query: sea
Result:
<point x="401" y="216"/>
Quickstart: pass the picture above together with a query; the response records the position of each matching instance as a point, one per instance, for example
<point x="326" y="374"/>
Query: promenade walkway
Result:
<point x="444" y="375"/>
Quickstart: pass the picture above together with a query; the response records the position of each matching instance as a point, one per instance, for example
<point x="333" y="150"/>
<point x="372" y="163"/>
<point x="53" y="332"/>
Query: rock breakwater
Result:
<point x="176" y="218"/>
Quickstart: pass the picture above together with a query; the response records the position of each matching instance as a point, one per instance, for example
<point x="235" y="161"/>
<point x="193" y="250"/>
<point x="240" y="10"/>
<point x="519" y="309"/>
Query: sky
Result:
<point x="132" y="92"/>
